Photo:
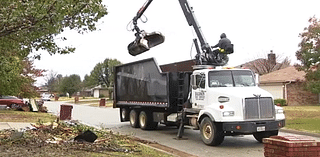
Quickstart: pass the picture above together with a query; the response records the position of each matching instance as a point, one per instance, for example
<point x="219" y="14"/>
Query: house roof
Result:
<point x="247" y="64"/>
<point x="283" y="75"/>
<point x="101" y="87"/>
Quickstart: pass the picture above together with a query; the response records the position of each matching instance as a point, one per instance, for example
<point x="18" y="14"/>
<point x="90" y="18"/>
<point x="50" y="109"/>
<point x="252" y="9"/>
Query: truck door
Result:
<point x="199" y="93"/>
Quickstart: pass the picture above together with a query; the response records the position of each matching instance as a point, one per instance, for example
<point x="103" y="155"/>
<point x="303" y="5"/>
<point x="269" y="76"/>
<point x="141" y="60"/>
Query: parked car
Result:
<point x="46" y="97"/>
<point x="12" y="102"/>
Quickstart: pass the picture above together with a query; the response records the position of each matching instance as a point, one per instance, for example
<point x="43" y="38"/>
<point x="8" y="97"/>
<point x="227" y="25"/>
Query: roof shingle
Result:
<point x="283" y="75"/>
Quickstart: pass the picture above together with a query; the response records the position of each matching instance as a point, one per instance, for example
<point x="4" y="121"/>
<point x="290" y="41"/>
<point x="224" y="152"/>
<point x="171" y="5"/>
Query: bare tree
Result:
<point x="50" y="79"/>
<point x="263" y="66"/>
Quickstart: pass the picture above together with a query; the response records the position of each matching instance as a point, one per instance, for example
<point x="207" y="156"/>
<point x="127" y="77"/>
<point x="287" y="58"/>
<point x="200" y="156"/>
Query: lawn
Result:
<point x="72" y="98"/>
<point x="303" y="118"/>
<point x="20" y="116"/>
<point x="91" y="101"/>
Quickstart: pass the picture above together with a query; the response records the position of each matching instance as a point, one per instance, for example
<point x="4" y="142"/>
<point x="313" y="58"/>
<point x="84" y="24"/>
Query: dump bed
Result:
<point x="143" y="84"/>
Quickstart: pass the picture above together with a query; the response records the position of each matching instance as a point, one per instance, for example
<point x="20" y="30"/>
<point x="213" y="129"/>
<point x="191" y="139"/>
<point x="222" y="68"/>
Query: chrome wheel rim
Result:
<point x="132" y="118"/>
<point x="143" y="120"/>
<point x="207" y="131"/>
<point x="123" y="114"/>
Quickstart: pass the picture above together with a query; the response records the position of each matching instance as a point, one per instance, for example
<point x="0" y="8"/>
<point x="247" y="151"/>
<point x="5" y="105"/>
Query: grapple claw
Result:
<point x="144" y="43"/>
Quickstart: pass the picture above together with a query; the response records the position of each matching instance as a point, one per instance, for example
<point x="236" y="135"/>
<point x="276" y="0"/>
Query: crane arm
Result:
<point x="191" y="19"/>
<point x="204" y="56"/>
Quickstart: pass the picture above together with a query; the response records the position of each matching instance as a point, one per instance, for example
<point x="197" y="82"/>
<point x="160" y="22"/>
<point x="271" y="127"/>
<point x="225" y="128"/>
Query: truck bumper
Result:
<point x="252" y="126"/>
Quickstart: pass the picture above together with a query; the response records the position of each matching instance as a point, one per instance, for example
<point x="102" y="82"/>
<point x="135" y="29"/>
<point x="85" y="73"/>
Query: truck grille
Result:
<point x="259" y="108"/>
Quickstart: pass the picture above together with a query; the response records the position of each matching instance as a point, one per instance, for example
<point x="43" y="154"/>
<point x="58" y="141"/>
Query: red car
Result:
<point x="12" y="102"/>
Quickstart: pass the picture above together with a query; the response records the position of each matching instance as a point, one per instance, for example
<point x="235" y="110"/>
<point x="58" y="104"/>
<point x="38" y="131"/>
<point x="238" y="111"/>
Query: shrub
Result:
<point x="101" y="96"/>
<point x="61" y="95"/>
<point x="282" y="102"/>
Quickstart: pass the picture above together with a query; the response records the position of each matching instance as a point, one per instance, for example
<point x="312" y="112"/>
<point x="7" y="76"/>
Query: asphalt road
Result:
<point x="240" y="146"/>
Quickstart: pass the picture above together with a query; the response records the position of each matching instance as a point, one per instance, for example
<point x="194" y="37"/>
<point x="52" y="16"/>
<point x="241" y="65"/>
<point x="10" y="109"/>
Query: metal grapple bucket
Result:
<point x="144" y="43"/>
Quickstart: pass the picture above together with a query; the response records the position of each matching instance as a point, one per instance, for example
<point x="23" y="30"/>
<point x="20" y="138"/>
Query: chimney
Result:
<point x="272" y="58"/>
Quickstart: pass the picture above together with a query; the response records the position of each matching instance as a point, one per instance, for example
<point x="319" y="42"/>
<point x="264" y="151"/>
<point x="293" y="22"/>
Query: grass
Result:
<point x="303" y="118"/>
<point x="87" y="101"/>
<point x="72" y="98"/>
<point x="20" y="116"/>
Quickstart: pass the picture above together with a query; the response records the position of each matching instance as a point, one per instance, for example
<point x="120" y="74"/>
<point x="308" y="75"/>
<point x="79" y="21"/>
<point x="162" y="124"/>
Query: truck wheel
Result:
<point x="211" y="133"/>
<point x="266" y="134"/>
<point x="124" y="114"/>
<point x="146" y="121"/>
<point x="134" y="118"/>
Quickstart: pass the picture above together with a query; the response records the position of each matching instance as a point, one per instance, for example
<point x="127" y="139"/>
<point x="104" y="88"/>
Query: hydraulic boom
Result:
<point x="144" y="41"/>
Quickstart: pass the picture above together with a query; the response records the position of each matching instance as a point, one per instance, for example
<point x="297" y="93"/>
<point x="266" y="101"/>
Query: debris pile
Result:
<point x="57" y="139"/>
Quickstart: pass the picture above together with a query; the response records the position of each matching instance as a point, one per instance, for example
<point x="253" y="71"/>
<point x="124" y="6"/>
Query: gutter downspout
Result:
<point x="286" y="90"/>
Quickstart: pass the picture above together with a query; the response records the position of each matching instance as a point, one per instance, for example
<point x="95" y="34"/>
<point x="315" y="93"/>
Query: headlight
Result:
<point x="228" y="113"/>
<point x="280" y="111"/>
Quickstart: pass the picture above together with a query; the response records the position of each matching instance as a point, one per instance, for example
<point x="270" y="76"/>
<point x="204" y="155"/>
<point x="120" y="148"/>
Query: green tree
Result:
<point x="27" y="26"/>
<point x="17" y="76"/>
<point x="102" y="73"/>
<point x="70" y="84"/>
<point x="309" y="55"/>
<point x="10" y="68"/>
<point x="88" y="82"/>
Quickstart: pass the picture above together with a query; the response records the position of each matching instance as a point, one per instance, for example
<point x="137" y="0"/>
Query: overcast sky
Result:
<point x="254" y="27"/>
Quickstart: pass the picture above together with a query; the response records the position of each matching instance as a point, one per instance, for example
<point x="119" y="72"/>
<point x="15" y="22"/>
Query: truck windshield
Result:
<point x="234" y="78"/>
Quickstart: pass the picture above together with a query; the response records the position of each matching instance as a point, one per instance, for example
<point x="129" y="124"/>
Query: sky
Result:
<point x="254" y="27"/>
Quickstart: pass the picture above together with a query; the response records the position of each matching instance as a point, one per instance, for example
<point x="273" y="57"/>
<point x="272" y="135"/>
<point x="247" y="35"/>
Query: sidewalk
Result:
<point x="300" y="132"/>
<point x="14" y="125"/>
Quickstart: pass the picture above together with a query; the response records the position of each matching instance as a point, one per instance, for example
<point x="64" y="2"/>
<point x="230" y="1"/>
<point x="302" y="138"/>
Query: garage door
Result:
<point x="96" y="93"/>
<point x="276" y="91"/>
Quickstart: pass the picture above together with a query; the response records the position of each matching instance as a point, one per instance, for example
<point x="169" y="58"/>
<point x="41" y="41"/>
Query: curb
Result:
<point x="166" y="149"/>
<point x="152" y="145"/>
<point x="300" y="132"/>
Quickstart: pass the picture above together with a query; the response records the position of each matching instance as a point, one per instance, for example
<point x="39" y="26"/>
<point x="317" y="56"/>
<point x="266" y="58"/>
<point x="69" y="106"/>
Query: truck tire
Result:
<point x="211" y="133"/>
<point x="266" y="134"/>
<point x="124" y="114"/>
<point x="146" y="121"/>
<point x="134" y="118"/>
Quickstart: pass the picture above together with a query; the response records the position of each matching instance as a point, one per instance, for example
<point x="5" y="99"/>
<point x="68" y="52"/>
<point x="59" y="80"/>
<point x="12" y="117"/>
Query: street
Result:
<point x="240" y="146"/>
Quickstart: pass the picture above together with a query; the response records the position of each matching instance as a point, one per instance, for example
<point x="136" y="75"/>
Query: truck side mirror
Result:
<point x="257" y="79"/>
<point x="193" y="82"/>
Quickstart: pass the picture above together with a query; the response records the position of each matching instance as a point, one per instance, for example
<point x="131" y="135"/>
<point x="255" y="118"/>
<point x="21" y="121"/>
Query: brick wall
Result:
<point x="291" y="146"/>
<point x="297" y="96"/>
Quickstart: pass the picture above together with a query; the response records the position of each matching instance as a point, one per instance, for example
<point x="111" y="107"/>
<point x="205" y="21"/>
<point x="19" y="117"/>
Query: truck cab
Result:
<point x="230" y="103"/>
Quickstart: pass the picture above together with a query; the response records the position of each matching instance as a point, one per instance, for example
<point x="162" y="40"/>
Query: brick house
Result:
<point x="287" y="84"/>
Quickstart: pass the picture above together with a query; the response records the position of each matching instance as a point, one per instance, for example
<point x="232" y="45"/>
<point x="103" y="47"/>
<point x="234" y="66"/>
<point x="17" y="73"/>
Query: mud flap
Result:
<point x="144" y="43"/>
